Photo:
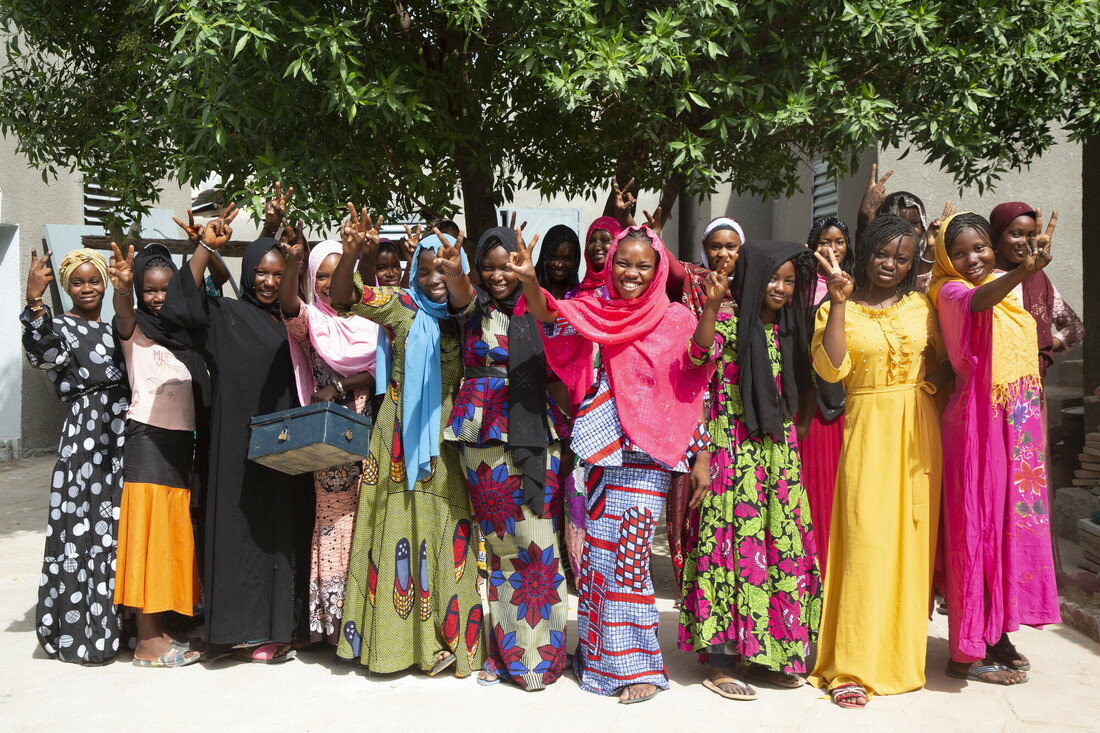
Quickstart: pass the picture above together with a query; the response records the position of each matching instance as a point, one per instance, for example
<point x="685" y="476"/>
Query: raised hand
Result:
<point x="121" y="270"/>
<point x="217" y="233"/>
<point x="520" y="261"/>
<point x="654" y="221"/>
<point x="40" y="275"/>
<point x="934" y="228"/>
<point x="275" y="209"/>
<point x="624" y="200"/>
<point x="448" y="258"/>
<point x="353" y="235"/>
<point x="193" y="230"/>
<point x="412" y="240"/>
<point x="840" y="283"/>
<point x="293" y="245"/>
<point x="513" y="224"/>
<point x="875" y="194"/>
<point x="717" y="283"/>
<point x="1038" y="253"/>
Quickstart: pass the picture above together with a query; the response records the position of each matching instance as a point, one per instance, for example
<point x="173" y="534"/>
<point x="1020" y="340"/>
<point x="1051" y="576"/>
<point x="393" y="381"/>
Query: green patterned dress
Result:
<point x="751" y="583"/>
<point x="412" y="581"/>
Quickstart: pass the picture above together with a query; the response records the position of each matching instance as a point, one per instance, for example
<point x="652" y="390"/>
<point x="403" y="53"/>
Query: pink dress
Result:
<point x="996" y="533"/>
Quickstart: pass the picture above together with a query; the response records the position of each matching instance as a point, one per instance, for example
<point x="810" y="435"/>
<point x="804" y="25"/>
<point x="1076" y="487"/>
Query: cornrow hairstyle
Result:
<point x="158" y="262"/>
<point x="969" y="220"/>
<point x="827" y="222"/>
<point x="882" y="230"/>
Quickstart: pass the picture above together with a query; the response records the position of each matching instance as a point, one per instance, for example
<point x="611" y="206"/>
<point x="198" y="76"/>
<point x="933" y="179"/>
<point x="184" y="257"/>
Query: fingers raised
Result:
<point x="1051" y="225"/>
<point x="883" y="180"/>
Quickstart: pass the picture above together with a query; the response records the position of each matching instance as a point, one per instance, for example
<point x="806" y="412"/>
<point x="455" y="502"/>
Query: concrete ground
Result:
<point x="315" y="693"/>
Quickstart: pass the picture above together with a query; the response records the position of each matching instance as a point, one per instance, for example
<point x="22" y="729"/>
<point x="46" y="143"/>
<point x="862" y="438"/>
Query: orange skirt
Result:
<point x="155" y="569"/>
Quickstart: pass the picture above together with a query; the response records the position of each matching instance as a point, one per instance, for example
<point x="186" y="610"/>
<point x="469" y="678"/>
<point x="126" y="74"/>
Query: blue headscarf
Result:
<point x="423" y="388"/>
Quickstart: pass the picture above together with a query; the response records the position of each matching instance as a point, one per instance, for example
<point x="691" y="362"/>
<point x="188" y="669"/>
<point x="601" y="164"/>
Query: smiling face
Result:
<point x="971" y="255"/>
<point x="387" y="268"/>
<point x="497" y="279"/>
<point x="86" y="288"/>
<point x="720" y="245"/>
<point x="431" y="281"/>
<point x="155" y="287"/>
<point x="779" y="291"/>
<point x="597" y="247"/>
<point x="1012" y="246"/>
<point x="268" y="274"/>
<point x="892" y="262"/>
<point x="563" y="262"/>
<point x="831" y="239"/>
<point x="634" y="267"/>
<point x="324" y="277"/>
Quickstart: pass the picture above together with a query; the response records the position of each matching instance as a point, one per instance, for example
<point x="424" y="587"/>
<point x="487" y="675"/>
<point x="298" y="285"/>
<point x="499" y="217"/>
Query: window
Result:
<point x="97" y="201"/>
<point x="826" y="199"/>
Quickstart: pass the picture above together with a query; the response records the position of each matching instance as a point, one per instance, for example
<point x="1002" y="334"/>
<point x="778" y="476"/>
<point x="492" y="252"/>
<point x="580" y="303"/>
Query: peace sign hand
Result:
<point x="193" y="230"/>
<point x="520" y="261"/>
<point x="353" y="233"/>
<point x="121" y="270"/>
<point x="217" y="233"/>
<point x="840" y="283"/>
<point x="624" y="200"/>
<point x="717" y="283"/>
<point x="412" y="240"/>
<point x="875" y="194"/>
<point x="275" y="208"/>
<point x="654" y="221"/>
<point x="513" y="224"/>
<point x="934" y="228"/>
<point x="40" y="275"/>
<point x="293" y="245"/>
<point x="448" y="258"/>
<point x="1038" y="253"/>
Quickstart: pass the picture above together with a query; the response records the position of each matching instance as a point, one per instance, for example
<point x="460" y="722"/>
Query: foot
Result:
<point x="150" y="650"/>
<point x="1007" y="677"/>
<point x="849" y="696"/>
<point x="1003" y="652"/>
<point x="486" y="676"/>
<point x="633" y="692"/>
<point x="731" y="688"/>
<point x="775" y="676"/>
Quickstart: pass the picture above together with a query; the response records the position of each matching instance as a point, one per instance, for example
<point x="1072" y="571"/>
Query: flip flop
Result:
<point x="266" y="654"/>
<point x="488" y="683"/>
<point x="716" y="686"/>
<point x="643" y="698"/>
<point x="974" y="674"/>
<point x="774" y="677"/>
<point x="175" y="655"/>
<point x="442" y="664"/>
<point x="842" y="693"/>
<point x="1007" y="655"/>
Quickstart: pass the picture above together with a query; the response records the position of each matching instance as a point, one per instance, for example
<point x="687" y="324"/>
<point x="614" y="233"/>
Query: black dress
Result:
<point x="76" y="619"/>
<point x="256" y="518"/>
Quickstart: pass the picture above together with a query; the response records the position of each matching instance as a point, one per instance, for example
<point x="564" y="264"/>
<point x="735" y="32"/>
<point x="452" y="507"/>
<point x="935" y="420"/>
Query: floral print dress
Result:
<point x="528" y="601"/>
<point x="751" y="586"/>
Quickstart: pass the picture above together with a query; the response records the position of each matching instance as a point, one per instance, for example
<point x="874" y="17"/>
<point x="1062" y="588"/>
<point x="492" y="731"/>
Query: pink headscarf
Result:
<point x="659" y="393"/>
<point x="593" y="279"/>
<point x="346" y="344"/>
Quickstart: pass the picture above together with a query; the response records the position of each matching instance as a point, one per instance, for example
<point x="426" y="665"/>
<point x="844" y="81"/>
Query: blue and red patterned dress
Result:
<point x="528" y="601"/>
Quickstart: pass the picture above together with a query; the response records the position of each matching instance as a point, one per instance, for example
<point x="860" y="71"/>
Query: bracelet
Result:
<point x="339" y="387"/>
<point x="208" y="249"/>
<point x="127" y="294"/>
<point x="34" y="300"/>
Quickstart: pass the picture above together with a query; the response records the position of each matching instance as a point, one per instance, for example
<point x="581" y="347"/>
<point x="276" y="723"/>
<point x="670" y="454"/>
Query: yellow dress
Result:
<point x="874" y="624"/>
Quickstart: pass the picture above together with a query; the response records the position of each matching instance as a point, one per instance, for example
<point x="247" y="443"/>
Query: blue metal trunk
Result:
<point x="309" y="438"/>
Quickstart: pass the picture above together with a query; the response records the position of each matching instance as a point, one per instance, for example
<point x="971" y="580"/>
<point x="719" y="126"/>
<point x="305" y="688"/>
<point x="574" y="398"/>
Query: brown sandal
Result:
<point x="716" y="683"/>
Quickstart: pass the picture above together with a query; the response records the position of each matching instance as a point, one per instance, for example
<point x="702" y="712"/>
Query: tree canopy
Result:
<point x="405" y="105"/>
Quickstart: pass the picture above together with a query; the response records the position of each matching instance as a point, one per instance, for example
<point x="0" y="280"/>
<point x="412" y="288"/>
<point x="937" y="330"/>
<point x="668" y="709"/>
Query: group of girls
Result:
<point x="782" y="399"/>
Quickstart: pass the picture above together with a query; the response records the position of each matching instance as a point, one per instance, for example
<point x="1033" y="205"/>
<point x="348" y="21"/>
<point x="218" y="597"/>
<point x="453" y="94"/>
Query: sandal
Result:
<point x="843" y="694"/>
<point x="442" y="664"/>
<point x="975" y="674"/>
<point x="175" y="655"/>
<point x="715" y="684"/>
<point x="643" y="698"/>
<point x="1004" y="652"/>
<point x="774" y="677"/>
<point x="269" y="653"/>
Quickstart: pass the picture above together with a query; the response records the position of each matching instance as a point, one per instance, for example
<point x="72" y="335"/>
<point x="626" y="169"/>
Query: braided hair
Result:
<point x="882" y="230"/>
<point x="969" y="220"/>
<point x="828" y="222"/>
<point x="157" y="262"/>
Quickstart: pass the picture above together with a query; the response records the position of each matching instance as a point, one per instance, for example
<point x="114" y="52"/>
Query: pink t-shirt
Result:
<point x="160" y="385"/>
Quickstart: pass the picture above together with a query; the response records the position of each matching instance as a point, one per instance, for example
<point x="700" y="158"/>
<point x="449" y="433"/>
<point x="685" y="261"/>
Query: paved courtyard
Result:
<point x="314" y="693"/>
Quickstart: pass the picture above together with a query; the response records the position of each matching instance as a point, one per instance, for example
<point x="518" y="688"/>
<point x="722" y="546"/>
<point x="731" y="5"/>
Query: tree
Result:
<point x="402" y="106"/>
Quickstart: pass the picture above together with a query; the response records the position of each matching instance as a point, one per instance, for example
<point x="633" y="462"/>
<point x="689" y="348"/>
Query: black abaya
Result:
<point x="255" y="516"/>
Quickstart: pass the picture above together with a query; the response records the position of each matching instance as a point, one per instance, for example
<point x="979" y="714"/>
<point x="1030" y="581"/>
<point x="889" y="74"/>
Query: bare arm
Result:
<point x="353" y="238"/>
<point x="533" y="294"/>
<point x="448" y="260"/>
<point x="717" y="285"/>
<point x="1037" y="257"/>
<point x="840" y="286"/>
<point x="294" y="251"/>
<point x="121" y="273"/>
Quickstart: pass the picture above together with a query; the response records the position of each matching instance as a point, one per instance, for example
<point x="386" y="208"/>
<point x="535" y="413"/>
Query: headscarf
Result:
<point x="593" y="278"/>
<point x="345" y="344"/>
<point x="526" y="377"/>
<point x="765" y="408"/>
<point x="422" y="393"/>
<point x="717" y="225"/>
<point x="250" y="260"/>
<point x="1004" y="214"/>
<point x="659" y="394"/>
<point x="75" y="259"/>
<point x="1037" y="289"/>
<point x="1015" y="353"/>
<point x="554" y="238"/>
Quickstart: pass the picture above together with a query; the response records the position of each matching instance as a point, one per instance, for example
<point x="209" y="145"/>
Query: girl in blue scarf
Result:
<point x="411" y="597"/>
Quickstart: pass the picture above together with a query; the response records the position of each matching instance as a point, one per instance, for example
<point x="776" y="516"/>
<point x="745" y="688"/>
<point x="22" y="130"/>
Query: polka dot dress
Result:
<point x="76" y="619"/>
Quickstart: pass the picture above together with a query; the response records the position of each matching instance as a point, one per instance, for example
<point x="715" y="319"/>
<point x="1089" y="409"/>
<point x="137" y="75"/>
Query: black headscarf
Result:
<point x="765" y="412"/>
<point x="554" y="238"/>
<point x="250" y="260"/>
<point x="526" y="378"/>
